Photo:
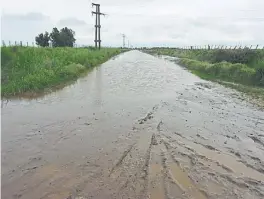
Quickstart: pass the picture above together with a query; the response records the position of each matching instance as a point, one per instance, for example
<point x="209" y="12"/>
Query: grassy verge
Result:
<point x="28" y="69"/>
<point x="241" y="69"/>
<point x="255" y="92"/>
<point x="240" y="79"/>
<point x="244" y="66"/>
<point x="238" y="73"/>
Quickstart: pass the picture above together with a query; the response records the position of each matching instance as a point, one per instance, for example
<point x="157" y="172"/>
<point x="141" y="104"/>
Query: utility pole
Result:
<point x="97" y="26"/>
<point x="124" y="40"/>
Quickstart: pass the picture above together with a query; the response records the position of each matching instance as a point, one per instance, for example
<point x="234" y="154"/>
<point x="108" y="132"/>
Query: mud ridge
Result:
<point x="159" y="125"/>
<point x="193" y="189"/>
<point x="241" y="183"/>
<point x="165" y="174"/>
<point x="145" y="169"/>
<point x="206" y="146"/>
<point x="261" y="170"/>
<point x="256" y="140"/>
<point x="125" y="153"/>
<point x="149" y="115"/>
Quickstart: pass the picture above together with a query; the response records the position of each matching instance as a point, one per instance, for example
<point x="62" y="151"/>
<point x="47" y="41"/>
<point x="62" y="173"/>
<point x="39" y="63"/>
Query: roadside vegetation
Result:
<point x="29" y="69"/>
<point x="240" y="66"/>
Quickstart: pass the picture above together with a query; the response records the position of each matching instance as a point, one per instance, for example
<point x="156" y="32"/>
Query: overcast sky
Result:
<point x="144" y="22"/>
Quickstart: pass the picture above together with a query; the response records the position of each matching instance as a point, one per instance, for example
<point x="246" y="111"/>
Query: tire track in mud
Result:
<point x="119" y="162"/>
<point x="199" y="146"/>
<point x="222" y="173"/>
<point x="128" y="177"/>
<point x="166" y="178"/>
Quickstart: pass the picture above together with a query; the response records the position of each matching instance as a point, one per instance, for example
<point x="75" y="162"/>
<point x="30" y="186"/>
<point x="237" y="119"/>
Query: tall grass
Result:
<point x="34" y="69"/>
<point x="239" y="73"/>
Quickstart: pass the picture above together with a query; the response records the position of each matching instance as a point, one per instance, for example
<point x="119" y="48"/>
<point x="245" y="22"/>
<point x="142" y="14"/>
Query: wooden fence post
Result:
<point x="257" y="47"/>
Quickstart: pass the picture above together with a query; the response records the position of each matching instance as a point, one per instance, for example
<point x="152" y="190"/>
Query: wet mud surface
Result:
<point x="136" y="127"/>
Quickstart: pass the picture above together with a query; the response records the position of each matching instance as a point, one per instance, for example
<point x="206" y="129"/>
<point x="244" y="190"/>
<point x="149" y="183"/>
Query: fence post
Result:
<point x="257" y="47"/>
<point x="27" y="44"/>
<point x="15" y="43"/>
<point x="21" y="43"/>
<point x="250" y="46"/>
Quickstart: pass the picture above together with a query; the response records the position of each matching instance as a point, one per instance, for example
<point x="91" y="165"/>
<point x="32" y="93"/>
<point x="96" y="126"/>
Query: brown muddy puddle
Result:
<point x="136" y="127"/>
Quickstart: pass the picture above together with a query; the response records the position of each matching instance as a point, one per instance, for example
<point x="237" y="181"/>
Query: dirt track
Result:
<point x="136" y="127"/>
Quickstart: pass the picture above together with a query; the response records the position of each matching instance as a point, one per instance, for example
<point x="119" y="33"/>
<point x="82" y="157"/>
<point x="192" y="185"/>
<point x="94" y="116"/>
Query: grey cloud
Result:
<point x="149" y="22"/>
<point x="33" y="16"/>
<point x="25" y="27"/>
<point x="71" y="22"/>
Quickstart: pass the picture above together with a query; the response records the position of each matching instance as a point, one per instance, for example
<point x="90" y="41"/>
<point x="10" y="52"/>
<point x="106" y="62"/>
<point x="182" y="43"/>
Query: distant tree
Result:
<point x="62" y="38"/>
<point x="43" y="39"/>
<point x="67" y="37"/>
<point x="55" y="37"/>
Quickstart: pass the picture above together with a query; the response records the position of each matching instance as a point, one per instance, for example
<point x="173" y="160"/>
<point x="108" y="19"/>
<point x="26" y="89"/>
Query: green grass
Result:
<point x="28" y="69"/>
<point x="255" y="92"/>
<point x="252" y="58"/>
<point x="242" y="66"/>
<point x="238" y="73"/>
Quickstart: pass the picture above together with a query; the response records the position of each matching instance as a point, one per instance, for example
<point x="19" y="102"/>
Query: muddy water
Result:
<point x="137" y="127"/>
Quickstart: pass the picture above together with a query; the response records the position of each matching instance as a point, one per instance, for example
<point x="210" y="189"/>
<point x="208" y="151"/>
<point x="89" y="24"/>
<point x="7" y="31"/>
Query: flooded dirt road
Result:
<point x="136" y="127"/>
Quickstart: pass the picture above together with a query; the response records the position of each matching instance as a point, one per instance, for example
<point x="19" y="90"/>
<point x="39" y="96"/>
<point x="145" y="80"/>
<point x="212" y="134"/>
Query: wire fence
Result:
<point x="32" y="44"/>
<point x="194" y="47"/>
<point x="223" y="47"/>
<point x="18" y="43"/>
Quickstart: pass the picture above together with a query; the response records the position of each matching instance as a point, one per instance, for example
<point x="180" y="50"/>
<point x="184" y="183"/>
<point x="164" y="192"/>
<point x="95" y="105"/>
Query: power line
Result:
<point x="124" y="40"/>
<point x="97" y="26"/>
